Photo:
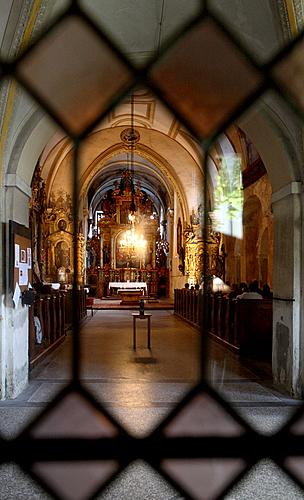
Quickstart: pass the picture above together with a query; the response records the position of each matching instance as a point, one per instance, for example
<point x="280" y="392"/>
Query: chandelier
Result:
<point x="133" y="241"/>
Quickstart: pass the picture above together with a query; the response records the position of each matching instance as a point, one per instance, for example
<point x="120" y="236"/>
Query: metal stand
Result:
<point x="141" y="316"/>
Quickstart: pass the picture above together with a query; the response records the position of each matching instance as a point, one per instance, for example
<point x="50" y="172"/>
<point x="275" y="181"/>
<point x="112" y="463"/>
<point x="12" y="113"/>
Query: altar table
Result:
<point x="130" y="296"/>
<point x="128" y="284"/>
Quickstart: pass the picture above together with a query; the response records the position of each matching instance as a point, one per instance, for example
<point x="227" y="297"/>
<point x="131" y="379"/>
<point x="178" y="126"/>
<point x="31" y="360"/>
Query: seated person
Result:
<point x="233" y="291"/>
<point x="266" y="293"/>
<point x="252" y="293"/>
<point x="257" y="288"/>
<point x="243" y="287"/>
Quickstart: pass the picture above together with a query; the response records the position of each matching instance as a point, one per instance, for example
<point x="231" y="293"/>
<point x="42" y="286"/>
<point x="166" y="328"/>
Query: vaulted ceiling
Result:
<point x="140" y="29"/>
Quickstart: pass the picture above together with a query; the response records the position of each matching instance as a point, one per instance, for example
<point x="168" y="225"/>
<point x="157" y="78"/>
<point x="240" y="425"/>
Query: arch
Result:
<point x="165" y="169"/>
<point x="30" y="142"/>
<point x="275" y="147"/>
<point x="266" y="132"/>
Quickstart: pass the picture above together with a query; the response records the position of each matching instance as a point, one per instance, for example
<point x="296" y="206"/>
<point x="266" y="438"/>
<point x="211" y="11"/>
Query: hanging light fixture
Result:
<point x="132" y="205"/>
<point x="132" y="241"/>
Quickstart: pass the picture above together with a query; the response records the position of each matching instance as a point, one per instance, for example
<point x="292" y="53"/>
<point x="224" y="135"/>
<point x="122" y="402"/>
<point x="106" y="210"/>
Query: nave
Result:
<point x="141" y="387"/>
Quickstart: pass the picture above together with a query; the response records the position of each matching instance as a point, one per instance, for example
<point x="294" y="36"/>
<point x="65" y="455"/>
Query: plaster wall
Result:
<point x="287" y="329"/>
<point x="16" y="350"/>
<point x="14" y="320"/>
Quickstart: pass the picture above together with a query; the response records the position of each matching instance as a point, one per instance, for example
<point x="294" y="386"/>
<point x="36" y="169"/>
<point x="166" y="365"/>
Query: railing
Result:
<point x="54" y="312"/>
<point x="243" y="325"/>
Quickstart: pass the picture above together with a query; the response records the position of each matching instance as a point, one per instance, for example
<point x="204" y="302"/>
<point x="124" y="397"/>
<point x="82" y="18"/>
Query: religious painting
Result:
<point x="126" y="257"/>
<point x="23" y="256"/>
<point x="62" y="225"/>
<point x="19" y="267"/>
<point x="62" y="255"/>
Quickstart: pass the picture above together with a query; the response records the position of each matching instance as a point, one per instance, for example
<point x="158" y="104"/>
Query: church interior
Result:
<point x="151" y="339"/>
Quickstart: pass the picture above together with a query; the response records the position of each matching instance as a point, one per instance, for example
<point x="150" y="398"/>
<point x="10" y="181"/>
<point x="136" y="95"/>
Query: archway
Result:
<point x="286" y="207"/>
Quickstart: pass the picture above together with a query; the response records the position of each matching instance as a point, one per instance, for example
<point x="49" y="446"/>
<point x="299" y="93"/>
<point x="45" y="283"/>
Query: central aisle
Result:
<point x="139" y="388"/>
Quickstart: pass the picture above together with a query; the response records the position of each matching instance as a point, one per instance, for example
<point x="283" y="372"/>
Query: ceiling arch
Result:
<point x="155" y="167"/>
<point x="144" y="173"/>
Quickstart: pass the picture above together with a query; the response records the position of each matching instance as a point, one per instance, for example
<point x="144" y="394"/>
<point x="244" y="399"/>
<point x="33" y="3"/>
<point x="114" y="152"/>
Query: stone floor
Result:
<point x="139" y="388"/>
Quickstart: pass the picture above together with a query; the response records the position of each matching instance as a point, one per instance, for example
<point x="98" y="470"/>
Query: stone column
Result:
<point x="287" y="354"/>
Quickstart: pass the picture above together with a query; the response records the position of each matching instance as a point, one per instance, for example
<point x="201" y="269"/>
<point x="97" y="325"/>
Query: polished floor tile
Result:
<point x="139" y="388"/>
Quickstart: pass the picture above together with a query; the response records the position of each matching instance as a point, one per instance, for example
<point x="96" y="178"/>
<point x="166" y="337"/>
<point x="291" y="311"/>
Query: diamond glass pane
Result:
<point x="138" y="481"/>
<point x="17" y="484"/>
<point x="265" y="480"/>
<point x="258" y="33"/>
<point x="75" y="73"/>
<point x="298" y="427"/>
<point x="289" y="73"/>
<point x="72" y="417"/>
<point x="296" y="467"/>
<point x="203" y="416"/>
<point x="75" y="480"/>
<point x="135" y="26"/>
<point x="205" y="78"/>
<point x="203" y="479"/>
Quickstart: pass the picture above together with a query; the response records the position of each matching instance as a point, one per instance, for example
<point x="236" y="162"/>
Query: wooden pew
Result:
<point x="244" y="325"/>
<point x="253" y="327"/>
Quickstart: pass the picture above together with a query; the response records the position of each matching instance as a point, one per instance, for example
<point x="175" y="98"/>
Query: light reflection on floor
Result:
<point x="140" y="388"/>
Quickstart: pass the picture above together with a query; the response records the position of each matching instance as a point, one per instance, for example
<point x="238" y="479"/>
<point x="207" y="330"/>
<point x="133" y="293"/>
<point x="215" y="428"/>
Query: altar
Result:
<point x="130" y="296"/>
<point x="130" y="292"/>
<point x="128" y="285"/>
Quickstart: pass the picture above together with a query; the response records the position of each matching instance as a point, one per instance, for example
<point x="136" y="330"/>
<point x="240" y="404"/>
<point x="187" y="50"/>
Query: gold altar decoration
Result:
<point x="127" y="238"/>
<point x="59" y="238"/>
<point x="52" y="235"/>
<point x="132" y="241"/>
<point x="194" y="253"/>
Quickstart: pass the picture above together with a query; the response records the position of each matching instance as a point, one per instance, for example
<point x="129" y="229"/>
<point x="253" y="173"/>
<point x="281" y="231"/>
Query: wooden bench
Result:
<point x="253" y="327"/>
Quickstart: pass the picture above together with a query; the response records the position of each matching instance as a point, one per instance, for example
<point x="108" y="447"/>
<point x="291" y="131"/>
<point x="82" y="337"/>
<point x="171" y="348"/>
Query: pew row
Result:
<point x="49" y="319"/>
<point x="244" y="326"/>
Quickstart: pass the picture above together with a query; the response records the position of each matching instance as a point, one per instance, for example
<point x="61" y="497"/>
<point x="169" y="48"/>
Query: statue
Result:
<point x="61" y="275"/>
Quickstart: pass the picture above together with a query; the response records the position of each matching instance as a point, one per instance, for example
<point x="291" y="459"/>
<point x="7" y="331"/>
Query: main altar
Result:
<point x="126" y="248"/>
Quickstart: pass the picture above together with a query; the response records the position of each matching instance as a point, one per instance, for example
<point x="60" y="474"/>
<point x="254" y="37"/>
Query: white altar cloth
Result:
<point x="127" y="284"/>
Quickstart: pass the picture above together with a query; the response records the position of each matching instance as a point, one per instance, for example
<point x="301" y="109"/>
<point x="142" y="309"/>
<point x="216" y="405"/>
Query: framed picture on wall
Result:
<point x="19" y="263"/>
<point x="23" y="256"/>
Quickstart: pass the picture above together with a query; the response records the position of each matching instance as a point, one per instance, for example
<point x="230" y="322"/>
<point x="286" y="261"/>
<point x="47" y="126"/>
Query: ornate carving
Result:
<point x="284" y="18"/>
<point x="194" y="253"/>
<point x="52" y="234"/>
<point x="162" y="250"/>
<point x="130" y="136"/>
